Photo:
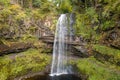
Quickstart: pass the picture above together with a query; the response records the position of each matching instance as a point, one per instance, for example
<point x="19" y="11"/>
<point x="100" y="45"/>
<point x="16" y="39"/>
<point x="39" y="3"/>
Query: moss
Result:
<point x="107" y="50"/>
<point x="97" y="70"/>
<point x="113" y="55"/>
<point x="23" y="63"/>
<point x="46" y="51"/>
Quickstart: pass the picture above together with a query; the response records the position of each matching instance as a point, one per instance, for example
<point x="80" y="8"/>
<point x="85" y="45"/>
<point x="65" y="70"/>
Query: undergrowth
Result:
<point x="29" y="61"/>
<point x="97" y="70"/>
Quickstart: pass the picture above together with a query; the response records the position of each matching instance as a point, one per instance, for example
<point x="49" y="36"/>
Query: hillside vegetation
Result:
<point x="97" y="23"/>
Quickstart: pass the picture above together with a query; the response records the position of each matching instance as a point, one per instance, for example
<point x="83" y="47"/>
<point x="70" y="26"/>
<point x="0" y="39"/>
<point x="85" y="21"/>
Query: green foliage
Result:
<point x="25" y="62"/>
<point x="96" y="70"/>
<point x="4" y="64"/>
<point x="62" y="6"/>
<point x="21" y="16"/>
<point x="65" y="6"/>
<point x="44" y="5"/>
<point x="4" y="2"/>
<point x="110" y="14"/>
<point x="107" y="24"/>
<point x="85" y="24"/>
<point x="5" y="13"/>
<point x="47" y="7"/>
<point x="9" y="17"/>
<point x="19" y="19"/>
<point x="92" y="15"/>
<point x="28" y="38"/>
<point x="112" y="5"/>
<point x="37" y="3"/>
<point x="37" y="14"/>
<point x="4" y="74"/>
<point x="5" y="60"/>
<point x="96" y="17"/>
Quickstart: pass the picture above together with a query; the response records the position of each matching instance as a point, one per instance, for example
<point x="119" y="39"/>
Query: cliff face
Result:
<point x="112" y="38"/>
<point x="18" y="20"/>
<point x="97" y="25"/>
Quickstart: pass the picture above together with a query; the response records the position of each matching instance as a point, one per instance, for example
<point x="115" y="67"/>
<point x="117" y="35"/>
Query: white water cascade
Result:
<point x="63" y="35"/>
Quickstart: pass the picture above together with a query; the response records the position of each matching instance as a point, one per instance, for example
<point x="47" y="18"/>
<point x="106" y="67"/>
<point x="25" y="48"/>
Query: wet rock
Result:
<point x="112" y="38"/>
<point x="116" y="44"/>
<point x="109" y="58"/>
<point x="80" y="51"/>
<point x="14" y="48"/>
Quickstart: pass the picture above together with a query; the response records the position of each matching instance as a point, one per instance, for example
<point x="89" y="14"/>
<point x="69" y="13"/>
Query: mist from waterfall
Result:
<point x="64" y="33"/>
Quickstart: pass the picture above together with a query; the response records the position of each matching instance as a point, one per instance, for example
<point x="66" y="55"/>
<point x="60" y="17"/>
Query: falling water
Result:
<point x="64" y="32"/>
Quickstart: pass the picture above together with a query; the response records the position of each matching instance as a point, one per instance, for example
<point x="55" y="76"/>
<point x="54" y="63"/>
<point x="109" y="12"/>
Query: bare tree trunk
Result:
<point x="22" y="3"/>
<point x="30" y="4"/>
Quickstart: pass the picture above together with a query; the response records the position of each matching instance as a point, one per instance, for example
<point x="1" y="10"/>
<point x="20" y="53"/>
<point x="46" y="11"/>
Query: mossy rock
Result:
<point x="23" y="63"/>
<point x="104" y="53"/>
<point x="96" y="70"/>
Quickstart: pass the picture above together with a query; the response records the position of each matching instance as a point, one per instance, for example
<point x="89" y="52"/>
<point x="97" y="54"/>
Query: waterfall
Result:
<point x="64" y="33"/>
